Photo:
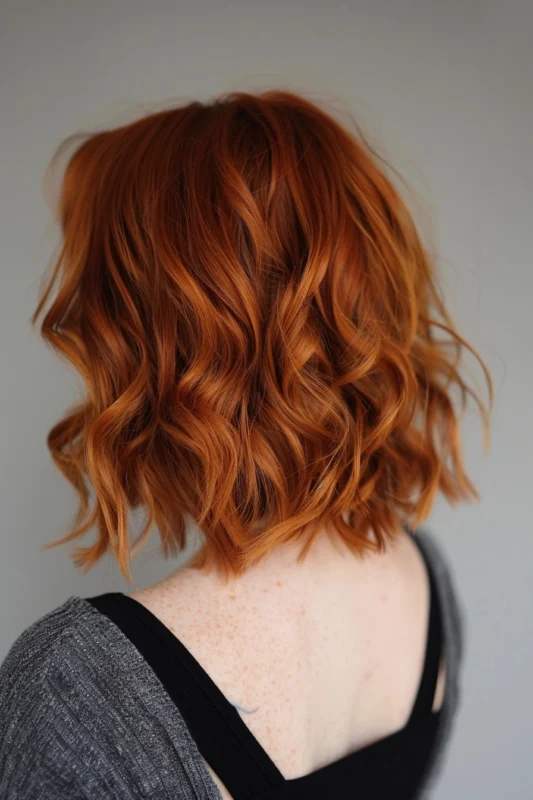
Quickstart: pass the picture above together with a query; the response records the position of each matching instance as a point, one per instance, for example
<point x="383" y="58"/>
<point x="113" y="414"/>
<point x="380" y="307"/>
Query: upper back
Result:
<point x="320" y="659"/>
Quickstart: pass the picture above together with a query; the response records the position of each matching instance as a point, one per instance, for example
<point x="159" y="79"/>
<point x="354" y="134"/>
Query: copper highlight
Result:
<point x="261" y="334"/>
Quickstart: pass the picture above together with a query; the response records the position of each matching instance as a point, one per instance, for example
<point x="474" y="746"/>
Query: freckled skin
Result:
<point x="314" y="665"/>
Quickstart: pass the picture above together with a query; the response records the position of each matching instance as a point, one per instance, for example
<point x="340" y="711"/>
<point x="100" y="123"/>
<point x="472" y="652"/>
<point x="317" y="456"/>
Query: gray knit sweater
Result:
<point x="82" y="715"/>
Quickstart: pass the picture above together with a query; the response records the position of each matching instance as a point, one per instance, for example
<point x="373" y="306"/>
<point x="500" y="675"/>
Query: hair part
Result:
<point x="261" y="334"/>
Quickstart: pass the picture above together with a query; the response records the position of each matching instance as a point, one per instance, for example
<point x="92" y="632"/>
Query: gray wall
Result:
<point x="444" y="88"/>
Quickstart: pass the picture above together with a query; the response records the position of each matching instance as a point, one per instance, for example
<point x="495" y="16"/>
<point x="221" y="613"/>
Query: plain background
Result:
<point x="444" y="89"/>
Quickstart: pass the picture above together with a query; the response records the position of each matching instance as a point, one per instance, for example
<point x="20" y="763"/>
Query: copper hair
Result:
<point x="261" y="334"/>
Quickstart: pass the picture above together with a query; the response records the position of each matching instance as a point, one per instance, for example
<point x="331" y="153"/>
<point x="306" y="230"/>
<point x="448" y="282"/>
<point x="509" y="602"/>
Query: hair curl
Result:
<point x="259" y="327"/>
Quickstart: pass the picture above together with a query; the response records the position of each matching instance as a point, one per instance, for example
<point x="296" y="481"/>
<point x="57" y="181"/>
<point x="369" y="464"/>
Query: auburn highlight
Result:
<point x="261" y="333"/>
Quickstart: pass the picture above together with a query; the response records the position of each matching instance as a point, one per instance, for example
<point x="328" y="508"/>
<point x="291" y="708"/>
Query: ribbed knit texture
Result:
<point x="82" y="715"/>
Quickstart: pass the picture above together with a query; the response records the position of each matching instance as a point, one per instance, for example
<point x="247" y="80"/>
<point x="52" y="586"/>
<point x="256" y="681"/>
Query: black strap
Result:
<point x="220" y="734"/>
<point x="428" y="683"/>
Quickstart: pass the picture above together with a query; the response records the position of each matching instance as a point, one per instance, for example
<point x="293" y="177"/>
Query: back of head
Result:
<point x="258" y="325"/>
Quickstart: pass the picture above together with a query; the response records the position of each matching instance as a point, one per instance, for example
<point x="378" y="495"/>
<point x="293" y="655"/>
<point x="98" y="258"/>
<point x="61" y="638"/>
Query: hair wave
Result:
<point x="261" y="334"/>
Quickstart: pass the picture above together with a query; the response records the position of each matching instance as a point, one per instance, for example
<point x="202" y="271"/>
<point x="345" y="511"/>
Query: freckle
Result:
<point x="266" y="590"/>
<point x="279" y="583"/>
<point x="232" y="597"/>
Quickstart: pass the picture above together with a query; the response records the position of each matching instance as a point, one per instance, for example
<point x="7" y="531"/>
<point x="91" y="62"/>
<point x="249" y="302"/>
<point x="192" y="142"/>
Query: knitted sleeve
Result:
<point x="40" y="756"/>
<point x="82" y="715"/>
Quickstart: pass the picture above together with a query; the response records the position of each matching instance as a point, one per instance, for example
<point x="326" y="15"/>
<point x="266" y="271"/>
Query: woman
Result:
<point x="266" y="354"/>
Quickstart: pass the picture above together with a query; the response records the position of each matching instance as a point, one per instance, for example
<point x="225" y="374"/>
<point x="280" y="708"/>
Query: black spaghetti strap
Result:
<point x="423" y="704"/>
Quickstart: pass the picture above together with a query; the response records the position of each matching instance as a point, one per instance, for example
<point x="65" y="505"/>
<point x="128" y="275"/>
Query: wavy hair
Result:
<point x="263" y="341"/>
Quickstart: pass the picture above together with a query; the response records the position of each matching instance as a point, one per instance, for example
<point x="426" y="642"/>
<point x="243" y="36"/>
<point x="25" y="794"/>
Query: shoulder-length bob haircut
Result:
<point x="260" y="331"/>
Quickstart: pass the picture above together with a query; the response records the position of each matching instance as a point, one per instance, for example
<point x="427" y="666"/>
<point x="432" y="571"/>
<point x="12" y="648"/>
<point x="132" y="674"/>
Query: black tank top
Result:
<point x="390" y="769"/>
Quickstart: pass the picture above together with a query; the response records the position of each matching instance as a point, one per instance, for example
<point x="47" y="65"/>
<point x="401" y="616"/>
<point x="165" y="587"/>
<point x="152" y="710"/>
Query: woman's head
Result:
<point x="258" y="325"/>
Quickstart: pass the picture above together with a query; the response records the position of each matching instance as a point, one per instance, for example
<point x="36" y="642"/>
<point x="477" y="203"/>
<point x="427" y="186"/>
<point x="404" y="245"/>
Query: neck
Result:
<point x="326" y="557"/>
